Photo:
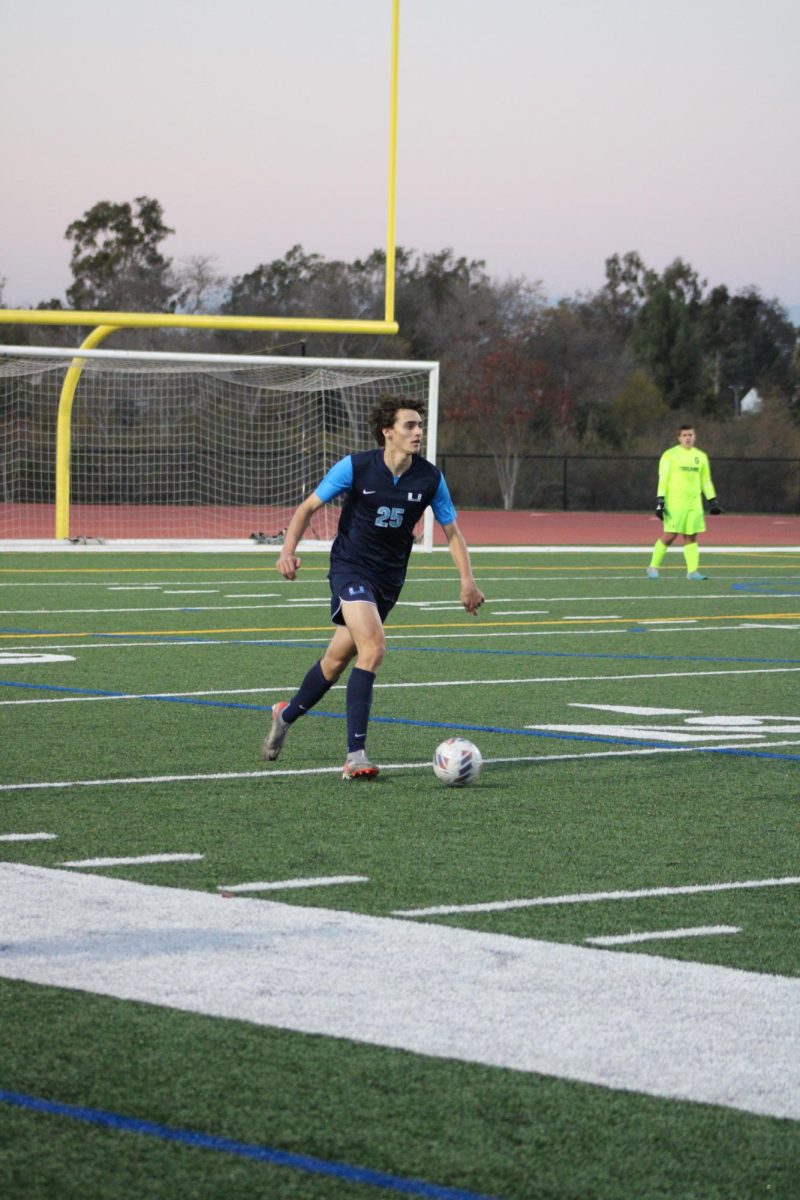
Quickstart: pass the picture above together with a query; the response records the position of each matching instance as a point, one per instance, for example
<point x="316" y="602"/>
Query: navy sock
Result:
<point x="310" y="692"/>
<point x="359" y="703"/>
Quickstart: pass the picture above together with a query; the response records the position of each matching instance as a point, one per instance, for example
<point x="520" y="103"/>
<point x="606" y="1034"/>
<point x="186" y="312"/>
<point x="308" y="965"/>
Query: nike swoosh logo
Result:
<point x="369" y="493"/>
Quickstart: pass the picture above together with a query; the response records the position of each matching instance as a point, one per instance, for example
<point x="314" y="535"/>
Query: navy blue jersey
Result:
<point x="376" y="525"/>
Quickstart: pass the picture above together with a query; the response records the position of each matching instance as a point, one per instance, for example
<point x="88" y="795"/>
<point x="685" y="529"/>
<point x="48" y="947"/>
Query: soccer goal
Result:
<point x="101" y="446"/>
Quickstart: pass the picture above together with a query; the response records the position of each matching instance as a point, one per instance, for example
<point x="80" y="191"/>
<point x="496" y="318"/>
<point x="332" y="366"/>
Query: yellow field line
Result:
<point x="568" y="624"/>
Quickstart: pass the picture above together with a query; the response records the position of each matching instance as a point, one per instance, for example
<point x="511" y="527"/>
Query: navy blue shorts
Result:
<point x="347" y="586"/>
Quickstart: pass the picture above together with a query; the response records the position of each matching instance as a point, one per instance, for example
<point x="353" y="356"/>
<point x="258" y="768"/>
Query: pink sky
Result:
<point x="540" y="138"/>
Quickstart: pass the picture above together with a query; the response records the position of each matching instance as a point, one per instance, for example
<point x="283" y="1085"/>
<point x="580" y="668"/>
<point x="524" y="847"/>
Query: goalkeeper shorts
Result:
<point x="685" y="520"/>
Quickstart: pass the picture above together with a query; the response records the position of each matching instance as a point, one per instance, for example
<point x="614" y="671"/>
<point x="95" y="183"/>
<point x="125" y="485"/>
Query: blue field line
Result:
<point x="688" y="658"/>
<point x="768" y="587"/>
<point x="556" y="735"/>
<point x="264" y="1154"/>
<point x="165" y="698"/>
<point x="30" y="632"/>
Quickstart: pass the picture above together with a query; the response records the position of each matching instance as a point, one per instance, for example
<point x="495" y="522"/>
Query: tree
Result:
<point x="277" y="288"/>
<point x="628" y="284"/>
<point x="198" y="284"/>
<point x="588" y="359"/>
<point x="508" y="404"/>
<point x="116" y="261"/>
<point x="637" y="408"/>
<point x="666" y="342"/>
<point x="749" y="342"/>
<point x="441" y="300"/>
<point x="307" y="285"/>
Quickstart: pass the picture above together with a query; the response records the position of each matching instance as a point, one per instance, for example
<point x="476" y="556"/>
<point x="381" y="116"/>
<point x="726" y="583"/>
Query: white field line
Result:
<point x="693" y="889"/>
<point x="663" y="935"/>
<point x="175" y="608"/>
<point x="651" y="621"/>
<point x="222" y="776"/>
<point x="420" y="605"/>
<point x="472" y="683"/>
<point x="438" y="575"/>
<point x="461" y="635"/>
<point x="608" y="617"/>
<point x="27" y="837"/>
<point x="278" y="885"/>
<point x="132" y="862"/>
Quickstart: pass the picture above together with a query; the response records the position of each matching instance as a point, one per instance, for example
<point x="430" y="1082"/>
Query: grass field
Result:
<point x="256" y="980"/>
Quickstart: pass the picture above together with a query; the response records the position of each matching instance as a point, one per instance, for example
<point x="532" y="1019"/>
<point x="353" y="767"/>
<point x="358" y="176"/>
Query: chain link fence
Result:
<point x="616" y="483"/>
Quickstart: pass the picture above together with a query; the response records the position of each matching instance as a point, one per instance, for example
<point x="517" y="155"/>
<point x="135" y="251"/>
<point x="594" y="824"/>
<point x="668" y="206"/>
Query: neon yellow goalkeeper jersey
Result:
<point x="684" y="477"/>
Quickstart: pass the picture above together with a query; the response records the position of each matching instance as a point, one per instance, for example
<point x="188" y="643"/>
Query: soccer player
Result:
<point x="684" y="478"/>
<point x="386" y="492"/>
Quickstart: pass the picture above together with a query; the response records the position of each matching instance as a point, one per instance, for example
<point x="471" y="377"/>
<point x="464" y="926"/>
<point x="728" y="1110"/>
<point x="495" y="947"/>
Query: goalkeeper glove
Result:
<point x="661" y="508"/>
<point x="715" y="508"/>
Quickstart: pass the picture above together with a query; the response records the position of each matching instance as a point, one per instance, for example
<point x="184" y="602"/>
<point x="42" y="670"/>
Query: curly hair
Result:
<point x="384" y="414"/>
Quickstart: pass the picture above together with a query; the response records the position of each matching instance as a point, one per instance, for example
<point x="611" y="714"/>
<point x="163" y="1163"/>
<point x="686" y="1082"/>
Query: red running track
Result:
<point x="615" y="529"/>
<point x="480" y="528"/>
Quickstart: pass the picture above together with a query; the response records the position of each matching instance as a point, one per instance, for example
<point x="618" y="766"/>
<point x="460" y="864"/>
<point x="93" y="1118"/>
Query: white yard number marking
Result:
<point x="709" y="1034"/>
<point x="692" y="726"/>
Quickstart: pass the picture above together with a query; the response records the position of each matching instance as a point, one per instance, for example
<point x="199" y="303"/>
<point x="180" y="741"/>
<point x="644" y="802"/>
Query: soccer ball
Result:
<point x="457" y="762"/>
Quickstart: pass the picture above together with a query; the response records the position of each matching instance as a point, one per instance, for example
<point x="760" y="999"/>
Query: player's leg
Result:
<point x="317" y="681"/>
<point x="691" y="554"/>
<point x="365" y="627"/>
<point x="659" y="552"/>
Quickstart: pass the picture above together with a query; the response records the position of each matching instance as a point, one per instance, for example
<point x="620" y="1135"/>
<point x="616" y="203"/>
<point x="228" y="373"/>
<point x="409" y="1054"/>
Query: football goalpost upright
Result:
<point x="156" y="447"/>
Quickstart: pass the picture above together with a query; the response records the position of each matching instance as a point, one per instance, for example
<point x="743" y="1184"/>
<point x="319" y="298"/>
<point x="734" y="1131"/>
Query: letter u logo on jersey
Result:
<point x="416" y="498"/>
<point x="356" y="591"/>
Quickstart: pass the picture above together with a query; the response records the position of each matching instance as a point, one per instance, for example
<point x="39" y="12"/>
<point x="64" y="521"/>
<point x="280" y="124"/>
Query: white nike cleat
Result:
<point x="271" y="746"/>
<point x="652" y="573"/>
<point x="358" y="766"/>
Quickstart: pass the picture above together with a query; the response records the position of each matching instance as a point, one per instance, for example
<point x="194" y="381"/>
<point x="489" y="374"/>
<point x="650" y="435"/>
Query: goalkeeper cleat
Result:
<point x="271" y="746"/>
<point x="696" y="575"/>
<point x="652" y="573"/>
<point x="358" y="766"/>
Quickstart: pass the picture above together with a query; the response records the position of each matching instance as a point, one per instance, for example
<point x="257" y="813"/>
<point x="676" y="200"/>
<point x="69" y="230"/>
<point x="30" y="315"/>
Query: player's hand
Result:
<point x="472" y="598"/>
<point x="288" y="565"/>
<point x="661" y="508"/>
<point x="715" y="508"/>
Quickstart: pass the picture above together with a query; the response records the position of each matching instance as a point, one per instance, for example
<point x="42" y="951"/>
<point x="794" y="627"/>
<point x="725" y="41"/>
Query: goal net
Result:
<point x="180" y="447"/>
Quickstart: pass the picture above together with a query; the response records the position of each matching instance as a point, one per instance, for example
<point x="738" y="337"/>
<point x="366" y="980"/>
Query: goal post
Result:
<point x="180" y="448"/>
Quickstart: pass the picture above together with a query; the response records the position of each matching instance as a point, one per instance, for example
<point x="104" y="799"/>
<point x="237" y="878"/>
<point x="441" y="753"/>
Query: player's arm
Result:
<point x="708" y="489"/>
<point x="444" y="511"/>
<point x="471" y="595"/>
<point x="664" y="465"/>
<point x="288" y="564"/>
<point x="338" y="480"/>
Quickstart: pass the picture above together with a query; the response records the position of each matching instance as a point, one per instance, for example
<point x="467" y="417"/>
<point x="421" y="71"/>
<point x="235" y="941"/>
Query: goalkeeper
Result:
<point x="684" y="478"/>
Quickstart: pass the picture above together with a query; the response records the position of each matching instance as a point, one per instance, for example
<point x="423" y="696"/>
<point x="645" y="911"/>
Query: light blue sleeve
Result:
<point x="339" y="479"/>
<point x="442" y="505"/>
